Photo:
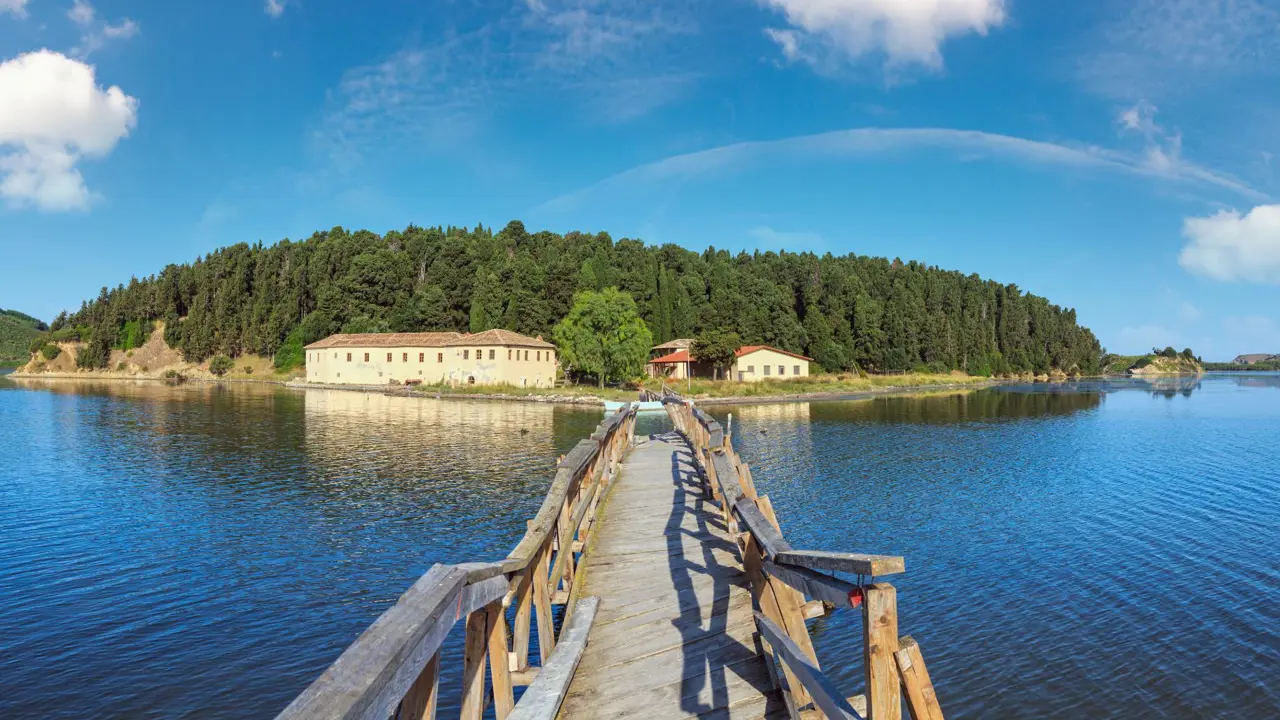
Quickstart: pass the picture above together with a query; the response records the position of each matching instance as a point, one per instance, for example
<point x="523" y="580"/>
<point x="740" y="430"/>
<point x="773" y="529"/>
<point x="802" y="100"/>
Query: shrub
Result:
<point x="248" y="369"/>
<point x="120" y="367"/>
<point x="220" y="365"/>
<point x="50" y="351"/>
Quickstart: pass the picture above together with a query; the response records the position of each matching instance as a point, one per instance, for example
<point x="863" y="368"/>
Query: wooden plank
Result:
<point x="371" y="676"/>
<point x="727" y="479"/>
<point x="477" y="595"/>
<point x="880" y="642"/>
<point x="540" y="527"/>
<point x="524" y="617"/>
<point x="423" y="698"/>
<point x="542" y="607"/>
<point x="473" y="662"/>
<point x="766" y="535"/>
<point x="840" y="593"/>
<point x="922" y="700"/>
<point x="821" y="689"/>
<point x="542" y="699"/>
<point x="869" y="565"/>
<point x="499" y="668"/>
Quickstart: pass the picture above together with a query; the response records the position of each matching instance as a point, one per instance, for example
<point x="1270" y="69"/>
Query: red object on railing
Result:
<point x="855" y="597"/>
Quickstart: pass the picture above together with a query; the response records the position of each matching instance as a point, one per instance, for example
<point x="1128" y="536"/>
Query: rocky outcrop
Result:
<point x="1159" y="365"/>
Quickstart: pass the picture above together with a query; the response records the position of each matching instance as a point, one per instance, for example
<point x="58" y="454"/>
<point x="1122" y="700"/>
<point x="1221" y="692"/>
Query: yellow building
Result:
<point x="492" y="357"/>
<point x="761" y="362"/>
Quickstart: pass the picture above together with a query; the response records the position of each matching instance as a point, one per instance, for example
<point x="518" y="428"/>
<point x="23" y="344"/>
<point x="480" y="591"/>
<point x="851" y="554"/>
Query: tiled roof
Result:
<point x="429" y="339"/>
<point x="676" y="344"/>
<point x="501" y="337"/>
<point x="748" y="349"/>
<point x="677" y="356"/>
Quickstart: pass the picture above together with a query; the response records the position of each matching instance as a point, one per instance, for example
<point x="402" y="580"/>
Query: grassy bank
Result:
<point x="816" y="385"/>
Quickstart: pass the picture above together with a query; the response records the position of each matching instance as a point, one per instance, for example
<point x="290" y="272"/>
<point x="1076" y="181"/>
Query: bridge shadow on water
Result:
<point x="722" y="660"/>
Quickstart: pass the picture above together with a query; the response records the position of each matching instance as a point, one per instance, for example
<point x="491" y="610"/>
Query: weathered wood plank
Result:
<point x="770" y="540"/>
<point x="541" y="701"/>
<point x="869" y="565"/>
<point x="880" y="640"/>
<point x="499" y="668"/>
<point x="371" y="676"/>
<point x="473" y="662"/>
<point x="922" y="700"/>
<point x="822" y="690"/>
<point x="841" y="593"/>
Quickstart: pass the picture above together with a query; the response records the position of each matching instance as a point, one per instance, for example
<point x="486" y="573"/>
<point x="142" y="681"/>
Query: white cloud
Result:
<point x="274" y="8"/>
<point x="1231" y="247"/>
<point x="867" y="141"/>
<point x="53" y="113"/>
<point x="81" y="13"/>
<point x="908" y="32"/>
<point x="96" y="34"/>
<point x="17" y="7"/>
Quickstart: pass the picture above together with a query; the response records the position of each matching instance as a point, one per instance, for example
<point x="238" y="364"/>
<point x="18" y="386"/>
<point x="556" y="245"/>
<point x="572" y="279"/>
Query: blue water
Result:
<point x="1091" y="550"/>
<point x="1096" y="550"/>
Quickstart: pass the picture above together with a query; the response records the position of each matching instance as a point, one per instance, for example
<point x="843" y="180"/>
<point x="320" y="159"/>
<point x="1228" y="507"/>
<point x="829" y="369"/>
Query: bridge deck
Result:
<point x="674" y="636"/>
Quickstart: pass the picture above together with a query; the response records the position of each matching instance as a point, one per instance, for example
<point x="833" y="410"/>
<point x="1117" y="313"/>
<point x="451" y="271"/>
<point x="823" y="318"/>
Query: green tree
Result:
<point x="221" y="365"/>
<point x="604" y="336"/>
<point x="717" y="348"/>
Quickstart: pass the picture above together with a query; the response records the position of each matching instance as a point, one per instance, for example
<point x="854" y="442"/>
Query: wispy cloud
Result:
<point x="15" y="7"/>
<point x="867" y="141"/>
<point x="607" y="59"/>
<point x="274" y="8"/>
<point x="905" y="32"/>
<point x="95" y="33"/>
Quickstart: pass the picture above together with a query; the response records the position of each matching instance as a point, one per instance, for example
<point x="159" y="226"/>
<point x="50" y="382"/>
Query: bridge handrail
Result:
<point x="392" y="669"/>
<point x="782" y="576"/>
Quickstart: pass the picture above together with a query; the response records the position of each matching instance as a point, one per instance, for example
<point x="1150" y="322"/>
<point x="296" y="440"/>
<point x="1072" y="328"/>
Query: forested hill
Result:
<point x="872" y="312"/>
<point x="17" y="330"/>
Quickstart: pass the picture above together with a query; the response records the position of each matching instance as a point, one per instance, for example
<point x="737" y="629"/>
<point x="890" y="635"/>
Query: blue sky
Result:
<point x="1114" y="157"/>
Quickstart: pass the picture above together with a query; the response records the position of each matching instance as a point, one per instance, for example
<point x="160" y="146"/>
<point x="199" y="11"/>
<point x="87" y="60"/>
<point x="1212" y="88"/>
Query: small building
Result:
<point x="753" y="362"/>
<point x="492" y="357"/>
<point x="761" y="362"/>
<point x="667" y="348"/>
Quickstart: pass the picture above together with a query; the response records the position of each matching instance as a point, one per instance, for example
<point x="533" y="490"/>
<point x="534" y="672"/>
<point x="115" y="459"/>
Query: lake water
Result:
<point x="1091" y="550"/>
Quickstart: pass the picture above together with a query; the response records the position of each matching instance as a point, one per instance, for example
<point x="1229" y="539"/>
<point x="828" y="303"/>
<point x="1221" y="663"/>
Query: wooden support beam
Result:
<point x="820" y="688"/>
<point x="423" y="698"/>
<point x="880" y="641"/>
<point x="524" y="616"/>
<point x="922" y="701"/>
<point x="542" y="606"/>
<point x="766" y="535"/>
<point x="499" y="665"/>
<point x="869" y="565"/>
<point x="473" y="662"/>
<point x="542" y="700"/>
<point x="834" y="590"/>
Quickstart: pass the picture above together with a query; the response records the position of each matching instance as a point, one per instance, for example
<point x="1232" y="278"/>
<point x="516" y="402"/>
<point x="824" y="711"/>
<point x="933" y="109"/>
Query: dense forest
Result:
<point x="17" y="330"/>
<point x="845" y="312"/>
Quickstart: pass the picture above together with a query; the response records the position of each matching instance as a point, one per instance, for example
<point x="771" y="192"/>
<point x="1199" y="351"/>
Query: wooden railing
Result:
<point x="392" y="670"/>
<point x="782" y="576"/>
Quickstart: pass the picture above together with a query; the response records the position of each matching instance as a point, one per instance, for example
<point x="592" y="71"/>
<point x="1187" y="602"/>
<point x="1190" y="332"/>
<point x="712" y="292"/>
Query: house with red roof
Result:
<point x="752" y="363"/>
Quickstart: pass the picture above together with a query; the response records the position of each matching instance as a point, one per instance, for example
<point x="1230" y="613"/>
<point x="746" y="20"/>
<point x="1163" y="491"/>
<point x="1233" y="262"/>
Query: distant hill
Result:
<point x="1166" y="362"/>
<point x="1252" y="358"/>
<point x="17" y="330"/>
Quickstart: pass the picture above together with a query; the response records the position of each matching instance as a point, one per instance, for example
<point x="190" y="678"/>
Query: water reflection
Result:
<point x="988" y="404"/>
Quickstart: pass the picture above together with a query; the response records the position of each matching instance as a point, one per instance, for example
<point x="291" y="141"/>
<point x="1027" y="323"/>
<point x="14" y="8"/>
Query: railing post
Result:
<point x="423" y="696"/>
<point x="880" y="642"/>
<point x="499" y="665"/>
<point x="542" y="602"/>
<point x="473" y="667"/>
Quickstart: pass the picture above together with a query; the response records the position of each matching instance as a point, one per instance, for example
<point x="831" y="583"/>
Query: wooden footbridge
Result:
<point x="660" y="585"/>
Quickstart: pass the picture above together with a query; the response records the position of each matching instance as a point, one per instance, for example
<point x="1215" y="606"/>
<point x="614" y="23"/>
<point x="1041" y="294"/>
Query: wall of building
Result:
<point x="751" y="367"/>
<point x="479" y="365"/>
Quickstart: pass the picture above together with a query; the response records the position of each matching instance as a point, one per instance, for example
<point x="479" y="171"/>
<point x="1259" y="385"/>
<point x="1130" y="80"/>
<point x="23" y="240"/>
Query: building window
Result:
<point x="348" y="357"/>
<point x="526" y="356"/>
<point x="479" y="353"/>
<point x="366" y="357"/>
<point x="508" y="353"/>
<point x="782" y="369"/>
<point x="766" y="370"/>
<point x="439" y="357"/>
<point x="492" y="353"/>
<point x="466" y="354"/>
<point x="795" y="370"/>
<point x="388" y="357"/>
<point x="406" y="357"/>
<point x="422" y="357"/>
<point x="751" y="369"/>
<point x="335" y="356"/>
<point x="538" y="357"/>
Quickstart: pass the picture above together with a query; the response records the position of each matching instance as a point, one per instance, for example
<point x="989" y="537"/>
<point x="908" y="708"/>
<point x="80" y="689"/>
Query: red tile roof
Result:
<point x="675" y="357"/>
<point x="748" y="349"/>
<point x="430" y="339"/>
